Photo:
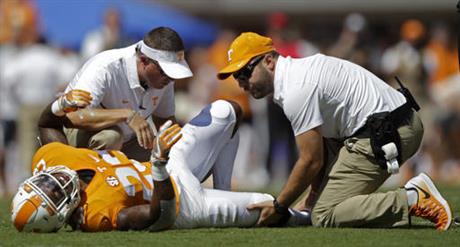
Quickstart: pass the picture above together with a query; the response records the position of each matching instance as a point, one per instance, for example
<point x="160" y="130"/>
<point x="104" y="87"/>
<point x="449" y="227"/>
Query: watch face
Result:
<point x="280" y="209"/>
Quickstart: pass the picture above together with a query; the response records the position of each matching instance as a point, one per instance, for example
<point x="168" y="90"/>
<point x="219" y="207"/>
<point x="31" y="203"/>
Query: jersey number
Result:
<point x="125" y="173"/>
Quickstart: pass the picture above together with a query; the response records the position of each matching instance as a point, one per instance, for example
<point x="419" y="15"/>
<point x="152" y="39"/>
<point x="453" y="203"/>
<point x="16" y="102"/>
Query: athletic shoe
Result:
<point x="430" y="204"/>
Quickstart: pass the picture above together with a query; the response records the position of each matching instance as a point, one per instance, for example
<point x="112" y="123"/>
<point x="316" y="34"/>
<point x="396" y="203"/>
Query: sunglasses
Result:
<point x="159" y="67"/>
<point x="246" y="72"/>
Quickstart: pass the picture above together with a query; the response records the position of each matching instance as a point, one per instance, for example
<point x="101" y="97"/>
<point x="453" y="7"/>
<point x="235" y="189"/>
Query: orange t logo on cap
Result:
<point x="230" y="55"/>
<point x="243" y="49"/>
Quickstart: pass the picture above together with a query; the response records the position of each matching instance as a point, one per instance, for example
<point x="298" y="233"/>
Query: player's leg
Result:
<point x="205" y="138"/>
<point x="223" y="166"/>
<point x="229" y="209"/>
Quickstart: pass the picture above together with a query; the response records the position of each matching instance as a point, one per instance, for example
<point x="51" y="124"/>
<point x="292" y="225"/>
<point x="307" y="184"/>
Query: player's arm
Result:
<point x="140" y="217"/>
<point x="160" y="214"/>
<point x="309" y="163"/>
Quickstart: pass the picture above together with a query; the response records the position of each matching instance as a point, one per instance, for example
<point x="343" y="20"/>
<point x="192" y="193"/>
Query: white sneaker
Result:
<point x="430" y="204"/>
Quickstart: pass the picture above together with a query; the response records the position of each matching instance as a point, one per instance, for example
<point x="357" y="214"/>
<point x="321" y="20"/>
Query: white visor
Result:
<point x="172" y="63"/>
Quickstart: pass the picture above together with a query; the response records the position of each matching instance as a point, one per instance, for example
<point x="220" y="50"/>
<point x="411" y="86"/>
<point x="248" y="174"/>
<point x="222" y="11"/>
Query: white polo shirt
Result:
<point x="332" y="93"/>
<point x="111" y="77"/>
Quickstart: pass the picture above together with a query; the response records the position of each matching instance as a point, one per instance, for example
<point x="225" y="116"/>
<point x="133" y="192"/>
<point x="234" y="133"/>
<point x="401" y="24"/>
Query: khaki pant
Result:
<point x="352" y="176"/>
<point x="27" y="132"/>
<point x="110" y="138"/>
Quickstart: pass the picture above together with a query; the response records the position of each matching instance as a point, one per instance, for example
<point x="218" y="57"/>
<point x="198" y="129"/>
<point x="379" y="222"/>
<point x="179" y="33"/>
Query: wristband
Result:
<point x="159" y="162"/>
<point x="159" y="172"/>
<point x="280" y="208"/>
<point x="56" y="108"/>
<point x="283" y="211"/>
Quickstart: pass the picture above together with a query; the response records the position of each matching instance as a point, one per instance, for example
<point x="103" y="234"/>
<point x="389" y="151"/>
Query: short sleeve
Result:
<point x="302" y="108"/>
<point x="91" y="78"/>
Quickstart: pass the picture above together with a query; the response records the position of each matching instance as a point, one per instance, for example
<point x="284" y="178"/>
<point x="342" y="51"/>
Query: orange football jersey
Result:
<point x="118" y="182"/>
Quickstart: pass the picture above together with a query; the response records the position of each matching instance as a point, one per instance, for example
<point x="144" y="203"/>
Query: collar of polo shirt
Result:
<point x="171" y="62"/>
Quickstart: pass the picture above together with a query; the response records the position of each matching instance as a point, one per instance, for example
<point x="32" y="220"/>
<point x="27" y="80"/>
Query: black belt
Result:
<point x="397" y="116"/>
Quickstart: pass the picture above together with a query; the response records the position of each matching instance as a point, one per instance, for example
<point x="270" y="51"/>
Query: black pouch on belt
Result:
<point x="383" y="131"/>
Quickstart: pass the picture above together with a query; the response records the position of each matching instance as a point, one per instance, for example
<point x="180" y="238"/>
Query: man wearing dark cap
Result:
<point x="352" y="132"/>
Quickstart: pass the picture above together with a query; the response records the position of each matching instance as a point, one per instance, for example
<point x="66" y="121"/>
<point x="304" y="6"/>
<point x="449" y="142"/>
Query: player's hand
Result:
<point x="73" y="100"/>
<point x="167" y="136"/>
<point x="141" y="127"/>
<point x="268" y="215"/>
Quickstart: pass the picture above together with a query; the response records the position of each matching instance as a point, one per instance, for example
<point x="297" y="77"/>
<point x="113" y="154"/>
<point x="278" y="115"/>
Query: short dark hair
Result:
<point x="275" y="54"/>
<point x="164" y="38"/>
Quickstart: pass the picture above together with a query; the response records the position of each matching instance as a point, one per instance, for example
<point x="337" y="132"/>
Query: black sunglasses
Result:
<point x="246" y="72"/>
<point x="159" y="67"/>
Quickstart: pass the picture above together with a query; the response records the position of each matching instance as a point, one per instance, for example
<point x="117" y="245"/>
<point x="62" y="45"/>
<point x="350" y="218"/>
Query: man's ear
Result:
<point x="270" y="62"/>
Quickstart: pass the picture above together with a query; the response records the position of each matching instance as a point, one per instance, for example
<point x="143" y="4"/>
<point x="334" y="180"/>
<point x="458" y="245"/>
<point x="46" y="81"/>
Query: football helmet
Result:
<point x="46" y="200"/>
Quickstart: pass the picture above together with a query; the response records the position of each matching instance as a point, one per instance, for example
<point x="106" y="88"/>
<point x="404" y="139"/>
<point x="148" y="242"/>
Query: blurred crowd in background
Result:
<point x="423" y="54"/>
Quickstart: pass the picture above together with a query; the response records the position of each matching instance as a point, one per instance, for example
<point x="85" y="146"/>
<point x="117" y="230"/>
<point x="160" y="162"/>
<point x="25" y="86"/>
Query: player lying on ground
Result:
<point x="104" y="190"/>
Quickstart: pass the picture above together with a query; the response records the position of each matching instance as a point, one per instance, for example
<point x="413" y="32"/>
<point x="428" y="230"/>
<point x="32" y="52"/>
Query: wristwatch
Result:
<point x="283" y="211"/>
<point x="280" y="208"/>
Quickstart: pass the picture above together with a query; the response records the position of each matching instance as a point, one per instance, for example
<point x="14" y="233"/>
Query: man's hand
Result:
<point x="70" y="102"/>
<point x="167" y="136"/>
<point x="74" y="100"/>
<point x="268" y="215"/>
<point x="141" y="127"/>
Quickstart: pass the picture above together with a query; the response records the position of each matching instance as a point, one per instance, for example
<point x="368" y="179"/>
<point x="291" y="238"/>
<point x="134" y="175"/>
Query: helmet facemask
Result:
<point x="45" y="201"/>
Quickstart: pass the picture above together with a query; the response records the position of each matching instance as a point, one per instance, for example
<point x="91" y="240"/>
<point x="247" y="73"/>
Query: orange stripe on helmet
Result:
<point x="26" y="211"/>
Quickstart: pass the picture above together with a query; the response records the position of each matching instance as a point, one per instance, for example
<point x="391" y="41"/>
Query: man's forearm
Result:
<point x="98" y="119"/>
<point x="301" y="177"/>
<point x="310" y="146"/>
<point x="51" y="126"/>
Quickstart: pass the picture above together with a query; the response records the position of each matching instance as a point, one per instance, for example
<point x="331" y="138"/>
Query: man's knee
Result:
<point x="111" y="138"/>
<point x="223" y="109"/>
<point x="320" y="217"/>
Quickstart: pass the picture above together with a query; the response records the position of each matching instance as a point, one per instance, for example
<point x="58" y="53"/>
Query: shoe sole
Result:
<point x="437" y="195"/>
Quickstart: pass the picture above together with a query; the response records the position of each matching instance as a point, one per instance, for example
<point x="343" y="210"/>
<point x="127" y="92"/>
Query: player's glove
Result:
<point x="166" y="137"/>
<point x="71" y="101"/>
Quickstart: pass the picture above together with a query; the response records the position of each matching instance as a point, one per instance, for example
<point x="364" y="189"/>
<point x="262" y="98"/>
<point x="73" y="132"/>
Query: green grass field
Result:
<point x="421" y="234"/>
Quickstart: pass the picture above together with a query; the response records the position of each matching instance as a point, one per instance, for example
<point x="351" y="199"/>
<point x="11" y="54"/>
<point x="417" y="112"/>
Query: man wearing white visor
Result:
<point x="126" y="87"/>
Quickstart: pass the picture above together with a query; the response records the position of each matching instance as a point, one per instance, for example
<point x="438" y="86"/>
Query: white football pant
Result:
<point x="207" y="146"/>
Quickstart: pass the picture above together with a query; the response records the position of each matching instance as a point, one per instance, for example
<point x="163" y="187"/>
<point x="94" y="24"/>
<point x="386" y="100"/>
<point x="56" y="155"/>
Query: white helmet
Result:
<point x="46" y="200"/>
